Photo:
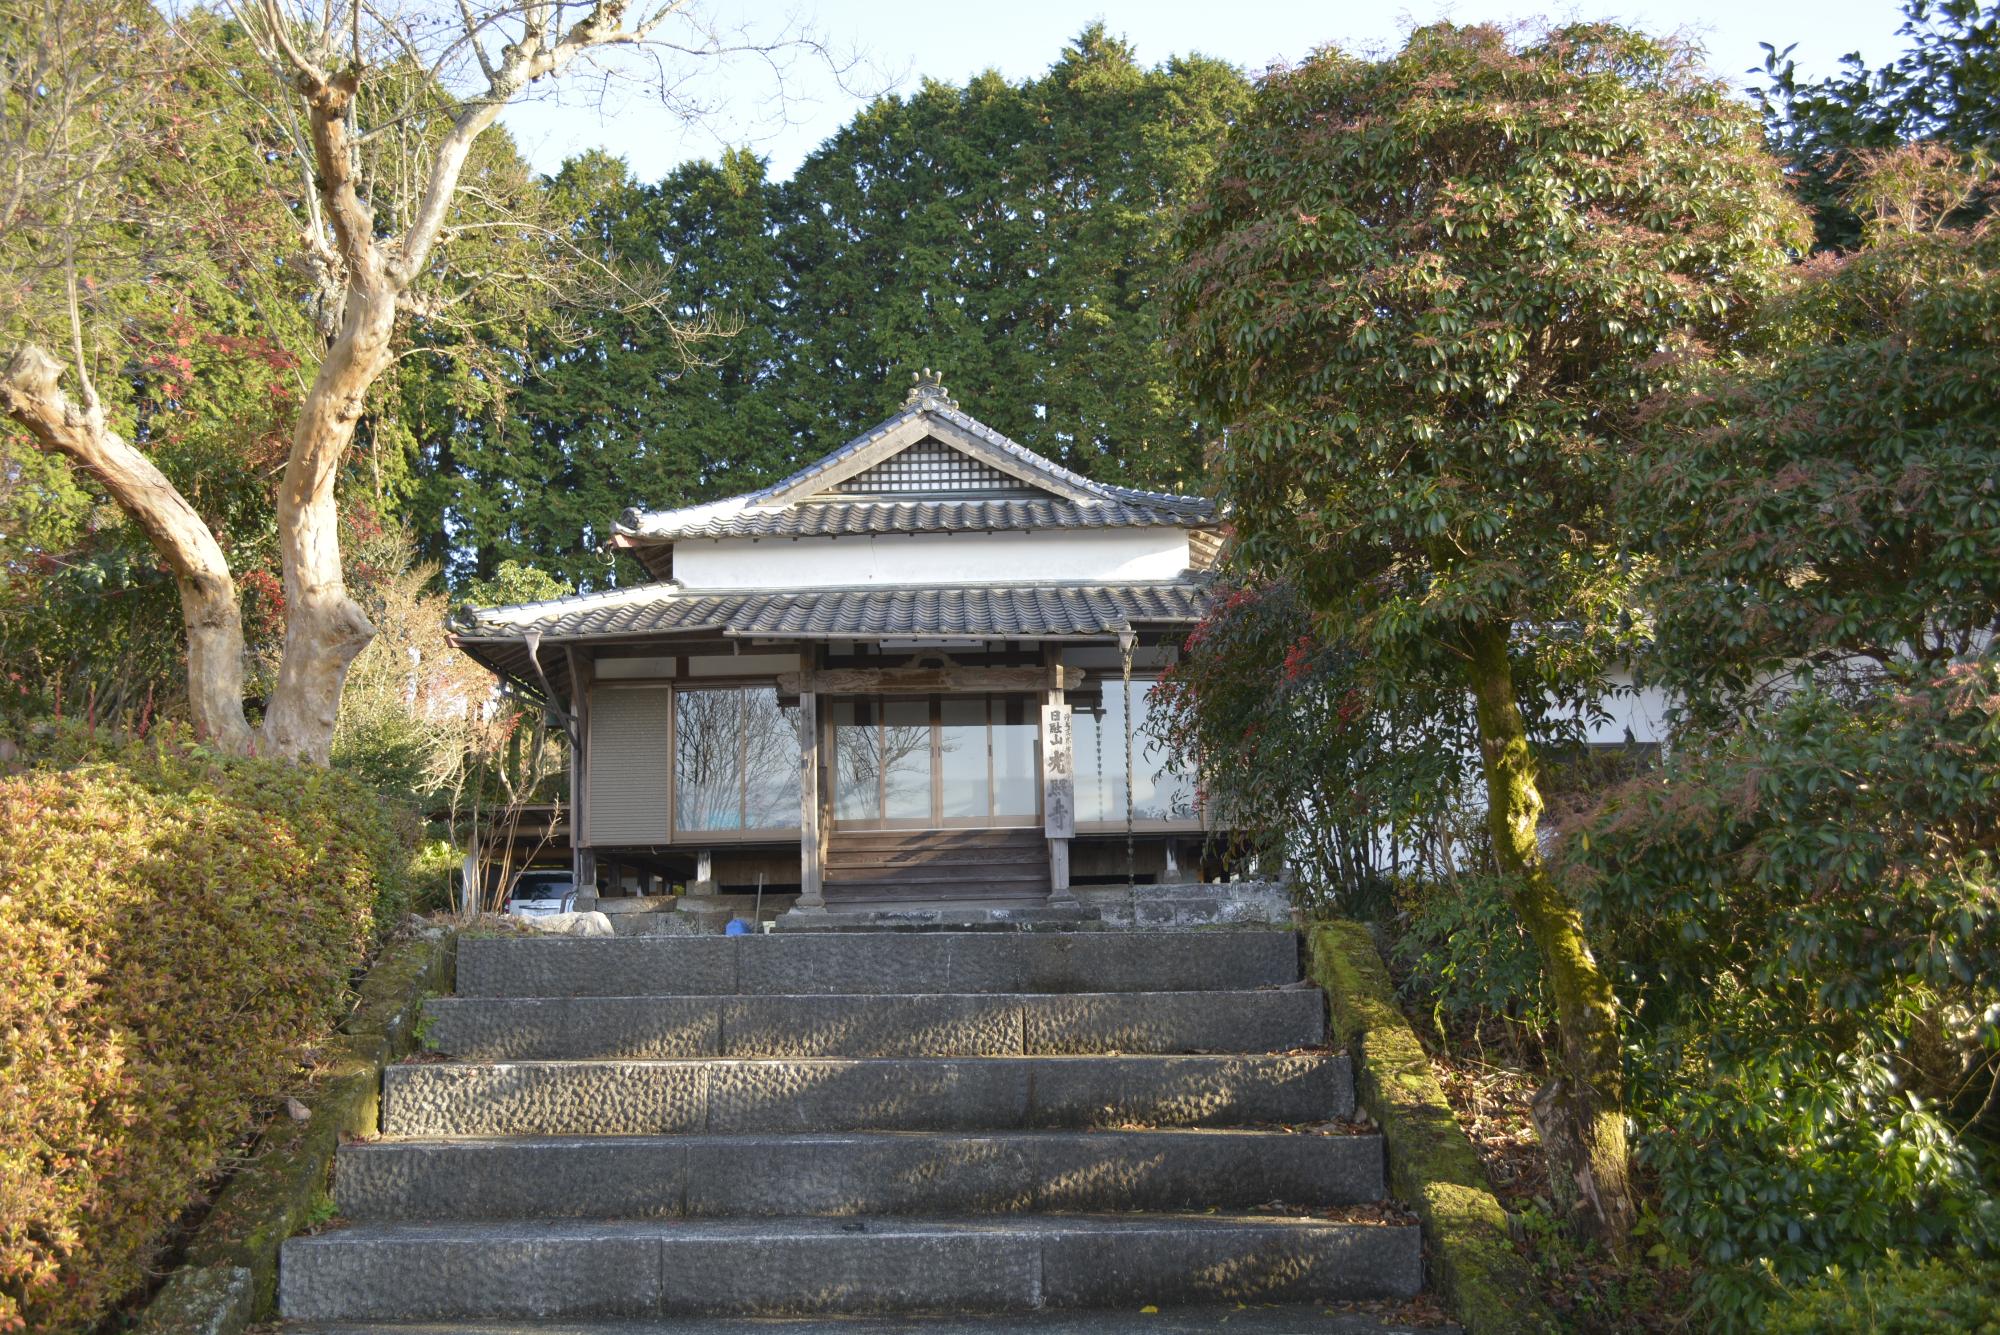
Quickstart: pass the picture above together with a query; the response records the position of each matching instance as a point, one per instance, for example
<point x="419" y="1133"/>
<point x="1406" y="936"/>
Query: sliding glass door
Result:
<point x="736" y="761"/>
<point x="934" y="761"/>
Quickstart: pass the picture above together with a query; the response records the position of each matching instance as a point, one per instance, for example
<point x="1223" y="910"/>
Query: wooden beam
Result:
<point x="924" y="680"/>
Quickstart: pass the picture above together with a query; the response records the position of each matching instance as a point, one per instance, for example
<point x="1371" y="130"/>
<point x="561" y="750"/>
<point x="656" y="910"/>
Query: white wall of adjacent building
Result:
<point x="1629" y="714"/>
<point x="1063" y="556"/>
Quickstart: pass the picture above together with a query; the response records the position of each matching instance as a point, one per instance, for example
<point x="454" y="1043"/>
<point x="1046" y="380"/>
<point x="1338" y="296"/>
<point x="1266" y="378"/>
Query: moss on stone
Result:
<point x="1432" y="1167"/>
<point x="272" y="1195"/>
<point x="384" y="1022"/>
<point x="201" y="1300"/>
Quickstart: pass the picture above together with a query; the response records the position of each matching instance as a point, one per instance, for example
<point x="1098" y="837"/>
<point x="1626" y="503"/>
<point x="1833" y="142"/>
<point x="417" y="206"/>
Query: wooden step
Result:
<point x="983" y="875"/>
<point x="1020" y="894"/>
<point x="935" y="839"/>
<point x="999" y="857"/>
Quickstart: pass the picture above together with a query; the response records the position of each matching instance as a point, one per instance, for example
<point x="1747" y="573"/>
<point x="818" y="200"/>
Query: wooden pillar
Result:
<point x="811" y="891"/>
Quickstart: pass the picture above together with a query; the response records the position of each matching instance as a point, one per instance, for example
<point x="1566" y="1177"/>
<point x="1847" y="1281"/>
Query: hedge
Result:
<point x="176" y="930"/>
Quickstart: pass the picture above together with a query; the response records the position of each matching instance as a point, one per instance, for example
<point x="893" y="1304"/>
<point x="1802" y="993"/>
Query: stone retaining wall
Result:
<point x="1432" y="1166"/>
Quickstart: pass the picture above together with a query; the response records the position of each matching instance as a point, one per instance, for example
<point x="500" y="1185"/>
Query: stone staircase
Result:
<point x="1031" y="1131"/>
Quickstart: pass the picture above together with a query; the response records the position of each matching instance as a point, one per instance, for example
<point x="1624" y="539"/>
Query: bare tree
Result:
<point x="382" y="107"/>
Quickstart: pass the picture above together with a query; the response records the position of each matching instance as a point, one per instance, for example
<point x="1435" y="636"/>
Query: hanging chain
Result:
<point x="1131" y="864"/>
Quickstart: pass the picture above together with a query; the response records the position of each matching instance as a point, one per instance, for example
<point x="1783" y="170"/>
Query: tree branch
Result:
<point x="31" y="394"/>
<point x="525" y="62"/>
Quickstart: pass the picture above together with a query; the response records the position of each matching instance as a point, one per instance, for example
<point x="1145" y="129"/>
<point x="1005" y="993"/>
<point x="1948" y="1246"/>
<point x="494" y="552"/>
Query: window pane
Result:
<point x="708" y="759"/>
<point x="1163" y="792"/>
<point x="857" y="793"/>
<point x="1099" y="736"/>
<point x="962" y="757"/>
<point x="906" y="760"/>
<point x="770" y="761"/>
<point x="1016" y="764"/>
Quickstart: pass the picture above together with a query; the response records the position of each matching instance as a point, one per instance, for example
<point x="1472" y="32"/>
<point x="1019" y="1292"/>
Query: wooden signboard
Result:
<point x="1058" y="774"/>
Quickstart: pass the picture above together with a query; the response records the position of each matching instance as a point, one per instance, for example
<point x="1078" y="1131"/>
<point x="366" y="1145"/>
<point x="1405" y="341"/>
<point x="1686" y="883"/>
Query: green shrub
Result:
<point x="1807" y="919"/>
<point x="1468" y="954"/>
<point x="434" y="868"/>
<point x="175" y="929"/>
<point x="1958" y="1296"/>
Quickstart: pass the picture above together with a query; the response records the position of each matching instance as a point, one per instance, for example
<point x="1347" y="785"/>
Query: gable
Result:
<point x="950" y="460"/>
<point x="931" y="468"/>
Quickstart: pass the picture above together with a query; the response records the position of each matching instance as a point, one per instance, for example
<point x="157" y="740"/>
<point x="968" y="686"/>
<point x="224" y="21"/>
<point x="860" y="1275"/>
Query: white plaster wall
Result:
<point x="1640" y="714"/>
<point x="931" y="558"/>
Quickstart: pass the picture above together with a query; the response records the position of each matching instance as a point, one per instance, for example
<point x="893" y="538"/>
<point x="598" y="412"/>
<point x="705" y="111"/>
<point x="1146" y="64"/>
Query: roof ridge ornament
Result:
<point x="927" y="391"/>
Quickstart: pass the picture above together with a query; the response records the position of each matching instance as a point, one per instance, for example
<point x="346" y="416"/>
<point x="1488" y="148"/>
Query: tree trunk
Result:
<point x="1580" y="1111"/>
<point x="324" y="628"/>
<point x="31" y="395"/>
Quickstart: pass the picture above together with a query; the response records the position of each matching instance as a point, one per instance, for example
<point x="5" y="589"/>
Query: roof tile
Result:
<point x="996" y="612"/>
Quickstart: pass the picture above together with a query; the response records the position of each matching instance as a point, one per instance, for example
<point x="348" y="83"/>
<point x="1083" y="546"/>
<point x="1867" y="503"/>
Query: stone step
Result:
<point x="1031" y="914"/>
<point x="822" y="963"/>
<point x="702" y="1177"/>
<point x="810" y="1266"/>
<point x="721" y="1096"/>
<point x="991" y="1024"/>
<point x="1233" y="1319"/>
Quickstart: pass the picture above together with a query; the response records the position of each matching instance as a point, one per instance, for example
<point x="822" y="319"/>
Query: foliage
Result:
<point x="1600" y="1294"/>
<point x="638" y="408"/>
<point x="1944" y="87"/>
<point x="1013" y="234"/>
<point x="434" y="869"/>
<point x="176" y="930"/>
<point x="195" y="329"/>
<point x="1467" y="954"/>
<point x="1807" y="919"/>
<point x="1830" y="500"/>
<point x="516" y="582"/>
<point x="1291" y="744"/>
<point x="414" y="706"/>
<point x="1423" y="297"/>
<point x="1422" y="292"/>
<point x="1959" y="1292"/>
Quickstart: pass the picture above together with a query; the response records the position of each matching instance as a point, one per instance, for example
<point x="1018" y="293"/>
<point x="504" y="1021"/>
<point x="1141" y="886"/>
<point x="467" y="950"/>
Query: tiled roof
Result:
<point x="846" y="517"/>
<point x="1024" y="611"/>
<point x="761" y="514"/>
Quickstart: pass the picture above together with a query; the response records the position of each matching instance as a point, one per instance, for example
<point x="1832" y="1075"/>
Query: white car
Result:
<point x="539" y="894"/>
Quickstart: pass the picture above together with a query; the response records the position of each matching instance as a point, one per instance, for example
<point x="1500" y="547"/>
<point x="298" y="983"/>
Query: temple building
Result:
<point x="918" y="670"/>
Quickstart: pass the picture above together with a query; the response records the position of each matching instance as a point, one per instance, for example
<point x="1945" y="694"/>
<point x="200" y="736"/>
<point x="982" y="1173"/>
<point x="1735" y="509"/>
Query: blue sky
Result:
<point x="901" y="42"/>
